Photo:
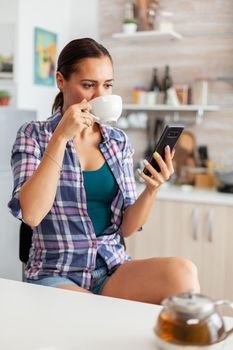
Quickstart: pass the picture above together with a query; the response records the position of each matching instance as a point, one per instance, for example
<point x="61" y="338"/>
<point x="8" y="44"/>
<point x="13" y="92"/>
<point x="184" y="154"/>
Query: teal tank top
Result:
<point x="101" y="188"/>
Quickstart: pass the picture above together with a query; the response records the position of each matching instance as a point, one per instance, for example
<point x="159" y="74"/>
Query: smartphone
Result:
<point x="169" y="137"/>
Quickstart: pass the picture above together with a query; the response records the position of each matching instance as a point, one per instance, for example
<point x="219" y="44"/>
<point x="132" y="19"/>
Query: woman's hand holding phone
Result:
<point x="160" y="168"/>
<point x="156" y="179"/>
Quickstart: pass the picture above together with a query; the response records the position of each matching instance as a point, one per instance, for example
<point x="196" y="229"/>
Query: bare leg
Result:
<point x="75" y="288"/>
<point x="152" y="280"/>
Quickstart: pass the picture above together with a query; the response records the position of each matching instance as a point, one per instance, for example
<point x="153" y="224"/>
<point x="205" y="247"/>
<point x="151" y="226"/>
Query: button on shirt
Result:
<point x="64" y="243"/>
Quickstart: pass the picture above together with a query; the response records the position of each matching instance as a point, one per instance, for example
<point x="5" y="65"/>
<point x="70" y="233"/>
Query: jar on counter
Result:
<point x="200" y="92"/>
<point x="182" y="92"/>
<point x="138" y="94"/>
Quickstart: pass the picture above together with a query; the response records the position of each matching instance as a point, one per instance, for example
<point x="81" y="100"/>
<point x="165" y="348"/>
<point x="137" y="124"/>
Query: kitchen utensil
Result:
<point x="225" y="181"/>
<point x="184" y="159"/>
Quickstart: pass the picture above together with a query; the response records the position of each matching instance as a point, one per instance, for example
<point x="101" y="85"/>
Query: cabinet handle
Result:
<point x="210" y="216"/>
<point x="196" y="215"/>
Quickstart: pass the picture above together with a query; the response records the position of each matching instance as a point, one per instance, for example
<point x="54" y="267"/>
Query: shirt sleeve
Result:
<point x="25" y="159"/>
<point x="128" y="169"/>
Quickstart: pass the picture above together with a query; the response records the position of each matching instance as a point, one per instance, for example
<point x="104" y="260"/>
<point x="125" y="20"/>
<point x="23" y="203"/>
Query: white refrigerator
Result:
<point x="10" y="122"/>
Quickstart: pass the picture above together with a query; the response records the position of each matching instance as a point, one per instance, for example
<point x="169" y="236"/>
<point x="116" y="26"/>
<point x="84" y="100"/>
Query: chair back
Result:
<point x="25" y="242"/>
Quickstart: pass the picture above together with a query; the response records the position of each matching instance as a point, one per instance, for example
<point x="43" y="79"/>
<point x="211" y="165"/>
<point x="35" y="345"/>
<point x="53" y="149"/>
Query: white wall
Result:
<point x="84" y="19"/>
<point x="53" y="16"/>
<point x="8" y="11"/>
<point x="69" y="19"/>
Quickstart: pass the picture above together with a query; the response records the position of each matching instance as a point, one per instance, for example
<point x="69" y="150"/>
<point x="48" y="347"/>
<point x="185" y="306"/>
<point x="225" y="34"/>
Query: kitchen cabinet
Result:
<point x="199" y="232"/>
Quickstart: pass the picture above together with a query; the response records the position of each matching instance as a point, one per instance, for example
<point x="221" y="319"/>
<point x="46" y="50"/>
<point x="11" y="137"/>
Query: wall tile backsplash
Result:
<point x="206" y="50"/>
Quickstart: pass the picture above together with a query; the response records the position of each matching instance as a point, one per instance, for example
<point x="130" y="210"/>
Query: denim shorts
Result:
<point x="99" y="277"/>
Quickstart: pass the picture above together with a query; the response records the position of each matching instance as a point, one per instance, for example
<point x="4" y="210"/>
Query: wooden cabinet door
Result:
<point x="150" y="241"/>
<point x="171" y="230"/>
<point x="213" y="267"/>
<point x="198" y="232"/>
<point x="218" y="249"/>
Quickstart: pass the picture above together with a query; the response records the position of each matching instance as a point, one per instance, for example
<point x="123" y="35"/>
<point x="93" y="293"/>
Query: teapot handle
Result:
<point x="228" y="304"/>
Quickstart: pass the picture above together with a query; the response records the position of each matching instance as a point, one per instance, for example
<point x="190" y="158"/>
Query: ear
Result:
<point x="60" y="81"/>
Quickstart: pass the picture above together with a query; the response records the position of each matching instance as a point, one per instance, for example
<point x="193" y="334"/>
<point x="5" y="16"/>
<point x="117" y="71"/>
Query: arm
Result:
<point x="37" y="194"/>
<point x="136" y="215"/>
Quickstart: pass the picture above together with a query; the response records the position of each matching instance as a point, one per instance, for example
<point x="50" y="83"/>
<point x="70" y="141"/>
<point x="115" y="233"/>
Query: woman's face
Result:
<point x="94" y="78"/>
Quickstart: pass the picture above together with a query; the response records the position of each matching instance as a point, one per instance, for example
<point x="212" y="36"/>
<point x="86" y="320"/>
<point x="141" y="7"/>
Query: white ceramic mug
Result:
<point x="107" y="108"/>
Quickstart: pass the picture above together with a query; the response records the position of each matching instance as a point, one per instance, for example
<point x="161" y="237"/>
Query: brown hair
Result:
<point x="73" y="53"/>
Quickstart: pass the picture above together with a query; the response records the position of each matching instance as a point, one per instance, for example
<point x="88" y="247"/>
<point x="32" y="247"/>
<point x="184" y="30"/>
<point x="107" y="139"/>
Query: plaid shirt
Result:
<point x="64" y="243"/>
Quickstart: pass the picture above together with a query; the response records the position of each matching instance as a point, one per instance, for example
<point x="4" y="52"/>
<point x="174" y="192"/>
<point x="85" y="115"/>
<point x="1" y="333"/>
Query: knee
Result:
<point x="182" y="275"/>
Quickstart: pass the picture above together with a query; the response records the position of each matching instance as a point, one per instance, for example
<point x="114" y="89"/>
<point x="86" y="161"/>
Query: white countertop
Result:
<point x="191" y="194"/>
<point x="35" y="317"/>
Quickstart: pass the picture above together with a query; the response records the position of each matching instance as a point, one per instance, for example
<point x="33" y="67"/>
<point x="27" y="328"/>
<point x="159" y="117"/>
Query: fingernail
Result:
<point x="155" y="155"/>
<point x="139" y="171"/>
<point x="145" y="162"/>
<point x="167" y="147"/>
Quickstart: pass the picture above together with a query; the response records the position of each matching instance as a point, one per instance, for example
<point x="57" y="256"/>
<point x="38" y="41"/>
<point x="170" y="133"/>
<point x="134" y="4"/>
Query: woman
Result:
<point x="74" y="185"/>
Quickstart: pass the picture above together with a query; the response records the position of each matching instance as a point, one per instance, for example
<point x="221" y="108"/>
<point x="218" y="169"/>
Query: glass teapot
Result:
<point x="191" y="321"/>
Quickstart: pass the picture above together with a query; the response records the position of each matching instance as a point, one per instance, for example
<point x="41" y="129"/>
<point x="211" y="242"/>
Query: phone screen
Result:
<point x="169" y="137"/>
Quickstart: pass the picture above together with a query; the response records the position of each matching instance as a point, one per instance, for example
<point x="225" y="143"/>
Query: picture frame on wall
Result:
<point x="45" y="47"/>
<point x="6" y="50"/>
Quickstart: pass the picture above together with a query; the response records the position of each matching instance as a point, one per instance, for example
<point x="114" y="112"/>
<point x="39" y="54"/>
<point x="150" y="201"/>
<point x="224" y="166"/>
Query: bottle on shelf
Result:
<point x="155" y="85"/>
<point x="167" y="83"/>
<point x="138" y="94"/>
<point x="154" y="89"/>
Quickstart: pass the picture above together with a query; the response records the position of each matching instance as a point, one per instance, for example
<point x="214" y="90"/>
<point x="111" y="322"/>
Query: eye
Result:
<point x="108" y="86"/>
<point x="87" y="85"/>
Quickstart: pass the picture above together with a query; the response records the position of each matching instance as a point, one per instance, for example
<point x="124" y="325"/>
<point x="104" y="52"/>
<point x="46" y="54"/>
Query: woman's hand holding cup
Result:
<point x="76" y="119"/>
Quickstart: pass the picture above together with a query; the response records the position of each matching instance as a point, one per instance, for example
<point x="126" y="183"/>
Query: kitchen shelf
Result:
<point x="149" y="34"/>
<point x="181" y="108"/>
<point x="198" y="109"/>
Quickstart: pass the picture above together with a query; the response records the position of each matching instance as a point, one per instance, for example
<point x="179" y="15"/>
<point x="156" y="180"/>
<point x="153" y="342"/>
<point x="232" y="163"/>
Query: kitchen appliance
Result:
<point x="225" y="181"/>
<point x="191" y="321"/>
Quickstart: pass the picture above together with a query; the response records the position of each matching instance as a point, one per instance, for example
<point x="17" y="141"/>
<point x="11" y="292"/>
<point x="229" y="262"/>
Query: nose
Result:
<point x="99" y="91"/>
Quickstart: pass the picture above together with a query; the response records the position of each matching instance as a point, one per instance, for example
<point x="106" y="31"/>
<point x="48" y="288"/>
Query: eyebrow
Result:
<point x="95" y="81"/>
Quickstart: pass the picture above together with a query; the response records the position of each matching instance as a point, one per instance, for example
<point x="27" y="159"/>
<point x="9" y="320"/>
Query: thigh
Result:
<point x="151" y="280"/>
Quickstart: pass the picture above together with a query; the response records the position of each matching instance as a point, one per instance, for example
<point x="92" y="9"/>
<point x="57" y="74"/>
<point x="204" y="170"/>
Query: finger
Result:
<point x="168" y="159"/>
<point x="163" y="167"/>
<point x="87" y="118"/>
<point x="84" y="105"/>
<point x="148" y="180"/>
<point x="157" y="176"/>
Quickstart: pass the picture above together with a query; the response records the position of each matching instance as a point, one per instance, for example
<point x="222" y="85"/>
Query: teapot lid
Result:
<point x="190" y="304"/>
